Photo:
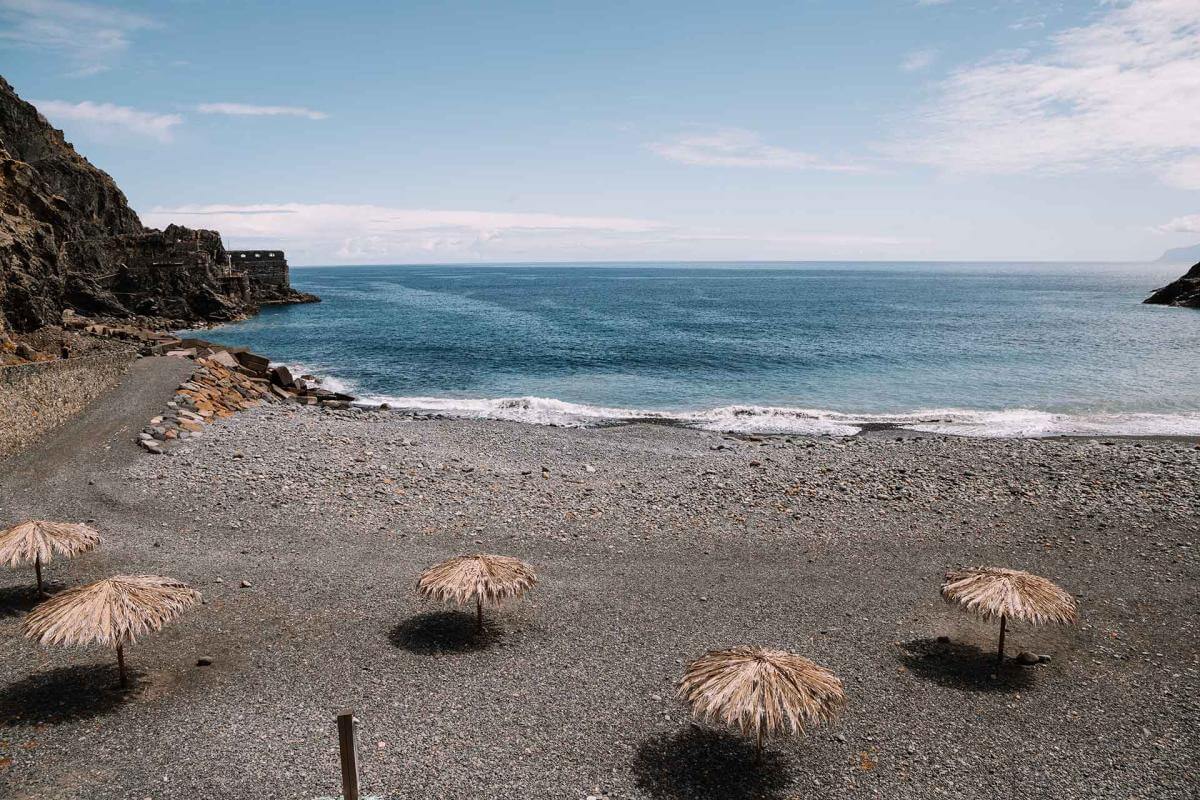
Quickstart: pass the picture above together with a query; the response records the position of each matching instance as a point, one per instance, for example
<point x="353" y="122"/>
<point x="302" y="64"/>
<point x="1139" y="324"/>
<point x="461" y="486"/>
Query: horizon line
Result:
<point x="747" y="261"/>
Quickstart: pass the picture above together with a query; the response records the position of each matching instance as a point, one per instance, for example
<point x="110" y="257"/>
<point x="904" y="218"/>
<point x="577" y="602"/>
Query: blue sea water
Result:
<point x="975" y="348"/>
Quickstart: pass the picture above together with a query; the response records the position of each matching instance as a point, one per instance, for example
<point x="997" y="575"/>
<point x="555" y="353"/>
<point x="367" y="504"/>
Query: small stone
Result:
<point x="245" y="584"/>
<point x="1027" y="659"/>
<point x="204" y="661"/>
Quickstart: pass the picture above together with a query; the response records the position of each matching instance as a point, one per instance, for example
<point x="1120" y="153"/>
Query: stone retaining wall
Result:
<point x="38" y="397"/>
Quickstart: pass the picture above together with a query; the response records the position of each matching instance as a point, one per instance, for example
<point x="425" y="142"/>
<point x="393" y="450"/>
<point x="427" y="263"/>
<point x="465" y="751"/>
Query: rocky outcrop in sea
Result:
<point x="68" y="239"/>
<point x="1184" y="292"/>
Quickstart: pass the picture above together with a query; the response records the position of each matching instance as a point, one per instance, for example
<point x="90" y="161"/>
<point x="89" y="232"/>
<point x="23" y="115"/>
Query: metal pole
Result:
<point x="348" y="747"/>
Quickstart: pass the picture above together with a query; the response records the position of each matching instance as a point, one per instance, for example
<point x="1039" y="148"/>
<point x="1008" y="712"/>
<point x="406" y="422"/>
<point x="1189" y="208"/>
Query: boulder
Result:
<point x="255" y="363"/>
<point x="225" y="359"/>
<point x="282" y="376"/>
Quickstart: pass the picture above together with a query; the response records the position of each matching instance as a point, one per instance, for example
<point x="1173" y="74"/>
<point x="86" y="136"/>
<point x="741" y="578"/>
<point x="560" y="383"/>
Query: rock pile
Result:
<point x="226" y="381"/>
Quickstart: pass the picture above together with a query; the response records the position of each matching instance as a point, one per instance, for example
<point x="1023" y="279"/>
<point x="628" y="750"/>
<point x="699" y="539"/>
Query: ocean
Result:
<point x="976" y="349"/>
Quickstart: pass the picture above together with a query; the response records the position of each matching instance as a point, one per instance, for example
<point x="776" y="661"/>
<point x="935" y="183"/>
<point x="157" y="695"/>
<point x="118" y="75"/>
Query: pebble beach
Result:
<point x="306" y="527"/>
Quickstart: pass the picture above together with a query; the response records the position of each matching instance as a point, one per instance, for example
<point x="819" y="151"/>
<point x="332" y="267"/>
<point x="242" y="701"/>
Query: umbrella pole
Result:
<point x="121" y="666"/>
<point x="1000" y="651"/>
<point x="478" y="615"/>
<point x="37" y="568"/>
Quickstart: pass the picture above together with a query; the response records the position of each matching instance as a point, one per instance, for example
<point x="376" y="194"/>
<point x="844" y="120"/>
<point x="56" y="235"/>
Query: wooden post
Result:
<point x="478" y="615"/>
<point x="121" y="666"/>
<point x="37" y="567"/>
<point x="1000" y="652"/>
<point x="348" y="746"/>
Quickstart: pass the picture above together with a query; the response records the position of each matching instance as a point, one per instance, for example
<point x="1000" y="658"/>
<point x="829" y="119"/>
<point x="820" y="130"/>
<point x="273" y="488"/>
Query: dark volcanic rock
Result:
<point x="1183" y="292"/>
<point x="68" y="239"/>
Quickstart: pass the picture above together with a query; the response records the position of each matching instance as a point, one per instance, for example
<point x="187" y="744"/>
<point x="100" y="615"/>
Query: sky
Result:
<point x="422" y="132"/>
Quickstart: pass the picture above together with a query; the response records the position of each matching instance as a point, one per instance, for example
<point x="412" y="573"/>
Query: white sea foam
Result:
<point x="1010" y="423"/>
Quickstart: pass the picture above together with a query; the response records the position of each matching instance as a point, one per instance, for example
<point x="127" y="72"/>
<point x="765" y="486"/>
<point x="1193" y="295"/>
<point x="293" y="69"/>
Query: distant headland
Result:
<point x="1181" y="255"/>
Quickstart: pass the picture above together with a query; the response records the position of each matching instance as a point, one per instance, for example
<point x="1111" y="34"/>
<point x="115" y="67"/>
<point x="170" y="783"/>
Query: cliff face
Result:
<point x="1183" y="292"/>
<point x="68" y="238"/>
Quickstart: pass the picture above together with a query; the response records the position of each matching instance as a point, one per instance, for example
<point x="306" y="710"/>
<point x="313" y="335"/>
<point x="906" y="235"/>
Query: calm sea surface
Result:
<point x="978" y="348"/>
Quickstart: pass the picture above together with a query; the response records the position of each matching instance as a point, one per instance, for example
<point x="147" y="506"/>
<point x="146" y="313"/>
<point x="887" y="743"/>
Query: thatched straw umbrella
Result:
<point x="488" y="580"/>
<point x="761" y="692"/>
<point x="991" y="592"/>
<point x="37" y="541"/>
<point x="112" y="612"/>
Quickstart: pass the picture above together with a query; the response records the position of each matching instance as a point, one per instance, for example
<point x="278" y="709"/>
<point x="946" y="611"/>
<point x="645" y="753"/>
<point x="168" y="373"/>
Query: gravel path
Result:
<point x="653" y="544"/>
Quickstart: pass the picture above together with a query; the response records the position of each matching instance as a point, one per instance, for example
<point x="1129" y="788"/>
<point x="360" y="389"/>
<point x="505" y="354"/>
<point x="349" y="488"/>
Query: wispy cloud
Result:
<point x="933" y="2"/>
<point x="1119" y="92"/>
<point x="374" y="233"/>
<point x="735" y="147"/>
<point x="330" y="233"/>
<point x="1188" y="224"/>
<point x="248" y="110"/>
<point x="106" y="117"/>
<point x="1182" y="173"/>
<point x="918" y="60"/>
<point x="89" y="36"/>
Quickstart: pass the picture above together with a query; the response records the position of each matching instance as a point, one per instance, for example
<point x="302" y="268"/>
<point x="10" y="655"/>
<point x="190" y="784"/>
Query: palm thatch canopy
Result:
<point x="490" y="580"/>
<point x="485" y="579"/>
<point x="37" y="541"/>
<point x="998" y="593"/>
<point x="761" y="692"/>
<point x="113" y="612"/>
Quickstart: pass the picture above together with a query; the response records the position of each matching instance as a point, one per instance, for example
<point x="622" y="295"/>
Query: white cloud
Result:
<point x="246" y="110"/>
<point x="349" y="233"/>
<point x="734" y="147"/>
<point x="933" y="2"/>
<point x="105" y="117"/>
<point x="918" y="60"/>
<point x="328" y="233"/>
<point x="1188" y="224"/>
<point x="89" y="36"/>
<point x="1117" y="93"/>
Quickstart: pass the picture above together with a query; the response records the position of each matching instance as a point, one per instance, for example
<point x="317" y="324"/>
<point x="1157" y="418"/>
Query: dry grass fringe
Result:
<point x="994" y="592"/>
<point x="38" y="539"/>
<point x="761" y="692"/>
<point x="489" y="580"/>
<point x="111" y="612"/>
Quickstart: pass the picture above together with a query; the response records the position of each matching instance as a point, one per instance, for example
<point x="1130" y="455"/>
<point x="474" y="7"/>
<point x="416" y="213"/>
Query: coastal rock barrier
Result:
<point x="226" y="381"/>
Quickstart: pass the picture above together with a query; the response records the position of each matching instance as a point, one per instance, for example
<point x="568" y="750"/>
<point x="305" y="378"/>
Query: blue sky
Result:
<point x="815" y="129"/>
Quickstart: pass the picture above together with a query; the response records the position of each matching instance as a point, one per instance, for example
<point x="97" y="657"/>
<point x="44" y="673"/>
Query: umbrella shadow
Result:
<point x="64" y="694"/>
<point x="442" y="632"/>
<point x="962" y="666"/>
<point x="697" y="764"/>
<point x="20" y="599"/>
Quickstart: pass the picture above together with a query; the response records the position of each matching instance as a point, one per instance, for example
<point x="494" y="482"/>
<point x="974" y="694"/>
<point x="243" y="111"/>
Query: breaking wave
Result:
<point x="1009" y="423"/>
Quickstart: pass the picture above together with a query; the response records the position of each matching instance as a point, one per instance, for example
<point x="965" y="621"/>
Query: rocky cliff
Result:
<point x="68" y="239"/>
<point x="1183" y="292"/>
